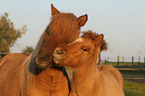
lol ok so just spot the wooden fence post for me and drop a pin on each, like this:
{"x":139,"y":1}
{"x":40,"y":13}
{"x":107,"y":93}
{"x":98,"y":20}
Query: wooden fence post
{"x":132,"y":60}
{"x":144,"y":60}
{"x":122,"y":59}
{"x":138,"y":61}
{"x":117,"y":60}
{"x":105,"y":61}
{"x":100,"y":61}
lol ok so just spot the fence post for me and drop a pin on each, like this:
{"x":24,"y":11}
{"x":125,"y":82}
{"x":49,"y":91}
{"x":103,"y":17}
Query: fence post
{"x":138,"y":61}
{"x":105,"y":62}
{"x":100,"y":61}
{"x":122,"y":59}
{"x":107,"y":59}
{"x":132,"y":60}
{"x":144,"y":60}
{"x":117,"y":60}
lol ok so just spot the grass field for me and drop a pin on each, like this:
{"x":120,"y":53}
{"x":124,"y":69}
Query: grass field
{"x":134,"y":89}
{"x":134,"y":80}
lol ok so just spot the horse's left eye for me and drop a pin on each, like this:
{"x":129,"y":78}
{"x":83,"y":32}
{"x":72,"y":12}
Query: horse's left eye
{"x":84,"y":49}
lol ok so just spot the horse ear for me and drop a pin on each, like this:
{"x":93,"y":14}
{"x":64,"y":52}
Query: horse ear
{"x":82,"y":20}
{"x":54,"y":10}
{"x":99,"y":39}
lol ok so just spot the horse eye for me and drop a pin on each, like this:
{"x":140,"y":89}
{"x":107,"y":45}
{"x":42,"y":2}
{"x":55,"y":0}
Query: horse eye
{"x":84,"y":49}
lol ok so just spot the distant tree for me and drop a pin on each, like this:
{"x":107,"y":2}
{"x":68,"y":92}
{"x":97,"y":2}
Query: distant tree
{"x":8,"y":34}
{"x":27,"y":50}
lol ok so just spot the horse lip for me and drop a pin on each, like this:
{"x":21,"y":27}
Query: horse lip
{"x":58,"y":60}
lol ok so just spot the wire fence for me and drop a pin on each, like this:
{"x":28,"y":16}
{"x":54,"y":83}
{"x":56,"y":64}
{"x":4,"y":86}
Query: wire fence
{"x":122,"y":61}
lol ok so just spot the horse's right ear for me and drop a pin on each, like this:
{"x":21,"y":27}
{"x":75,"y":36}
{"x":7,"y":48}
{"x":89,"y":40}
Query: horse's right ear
{"x":54,"y":10}
{"x":99,"y":39}
{"x":82,"y":20}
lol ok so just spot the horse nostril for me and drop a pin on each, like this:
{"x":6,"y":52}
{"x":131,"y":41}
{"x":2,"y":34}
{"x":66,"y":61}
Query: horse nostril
{"x":60,"y":52}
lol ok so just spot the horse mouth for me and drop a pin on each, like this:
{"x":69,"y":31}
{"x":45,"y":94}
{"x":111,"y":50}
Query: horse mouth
{"x":59,"y":55}
{"x":58,"y":58}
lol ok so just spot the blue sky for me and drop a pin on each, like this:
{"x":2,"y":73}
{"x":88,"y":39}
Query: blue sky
{"x":121,"y":21}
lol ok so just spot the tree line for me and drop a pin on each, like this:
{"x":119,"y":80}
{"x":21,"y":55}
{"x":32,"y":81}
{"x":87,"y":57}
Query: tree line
{"x":9,"y":35}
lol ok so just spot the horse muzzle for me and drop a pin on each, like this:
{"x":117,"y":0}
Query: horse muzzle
{"x":58,"y":55}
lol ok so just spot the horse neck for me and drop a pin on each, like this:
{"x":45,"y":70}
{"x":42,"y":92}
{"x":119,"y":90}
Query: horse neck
{"x":84,"y":78}
{"x":51,"y":79}
{"x":48,"y":81}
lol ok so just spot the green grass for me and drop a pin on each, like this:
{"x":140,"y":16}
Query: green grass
{"x":134,"y":89}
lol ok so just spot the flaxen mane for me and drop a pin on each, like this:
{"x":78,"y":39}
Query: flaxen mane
{"x":90,"y":35}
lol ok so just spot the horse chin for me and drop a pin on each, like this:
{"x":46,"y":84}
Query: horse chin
{"x":58,"y":60}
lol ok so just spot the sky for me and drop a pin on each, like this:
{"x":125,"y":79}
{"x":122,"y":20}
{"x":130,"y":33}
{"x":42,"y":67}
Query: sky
{"x":121,"y":21}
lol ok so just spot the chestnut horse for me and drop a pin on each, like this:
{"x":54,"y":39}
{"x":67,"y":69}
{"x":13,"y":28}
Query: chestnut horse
{"x":38,"y":75}
{"x":81,"y":56}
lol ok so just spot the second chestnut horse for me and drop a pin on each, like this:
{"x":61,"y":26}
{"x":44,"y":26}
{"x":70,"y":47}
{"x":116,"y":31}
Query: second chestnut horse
{"x":81,"y":56}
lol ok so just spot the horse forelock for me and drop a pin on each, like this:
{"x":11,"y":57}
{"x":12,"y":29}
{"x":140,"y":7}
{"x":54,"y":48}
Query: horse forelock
{"x":64,"y":25}
{"x":63,"y":28}
{"x":92,"y":36}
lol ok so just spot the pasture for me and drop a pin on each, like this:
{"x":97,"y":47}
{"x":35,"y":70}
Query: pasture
{"x":133,"y":89}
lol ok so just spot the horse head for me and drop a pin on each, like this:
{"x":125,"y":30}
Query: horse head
{"x":81,"y":50}
{"x":64,"y":28}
